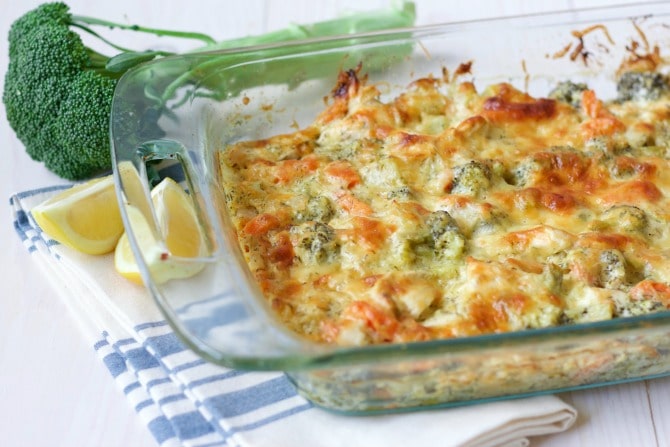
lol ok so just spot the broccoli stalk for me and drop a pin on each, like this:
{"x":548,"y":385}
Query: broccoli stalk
{"x":58,"y":92}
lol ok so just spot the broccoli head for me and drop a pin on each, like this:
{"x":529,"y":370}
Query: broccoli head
{"x":49,"y":86}
{"x":58,"y":92}
{"x":569,"y":92}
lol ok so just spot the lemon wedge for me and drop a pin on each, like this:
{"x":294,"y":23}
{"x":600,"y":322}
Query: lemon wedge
{"x":85,"y":217}
{"x":182,"y":238}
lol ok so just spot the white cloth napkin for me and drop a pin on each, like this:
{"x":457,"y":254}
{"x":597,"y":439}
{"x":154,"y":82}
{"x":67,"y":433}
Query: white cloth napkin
{"x":186,"y":401}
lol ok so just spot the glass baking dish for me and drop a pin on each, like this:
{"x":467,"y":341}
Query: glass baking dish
{"x":174,"y":114}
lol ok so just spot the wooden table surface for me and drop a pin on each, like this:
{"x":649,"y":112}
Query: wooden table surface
{"x":54,"y":391}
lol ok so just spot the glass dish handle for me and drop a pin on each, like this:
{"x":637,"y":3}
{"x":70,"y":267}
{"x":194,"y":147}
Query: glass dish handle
{"x":218,"y":312}
{"x":153,"y":161}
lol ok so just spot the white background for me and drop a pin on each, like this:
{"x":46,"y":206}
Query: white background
{"x":53,"y":389}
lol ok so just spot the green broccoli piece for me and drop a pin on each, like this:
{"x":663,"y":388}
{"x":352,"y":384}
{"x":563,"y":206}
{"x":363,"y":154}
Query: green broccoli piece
{"x":645,"y":86}
{"x":58,"y":92}
{"x":446,"y":235}
{"x":569,"y":92}
{"x":472,"y":178}
{"x":317,"y":242}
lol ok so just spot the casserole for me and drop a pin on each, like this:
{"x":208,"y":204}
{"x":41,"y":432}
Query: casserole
{"x":182,"y":112}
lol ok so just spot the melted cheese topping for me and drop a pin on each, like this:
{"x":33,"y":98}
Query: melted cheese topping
{"x":447,"y":212}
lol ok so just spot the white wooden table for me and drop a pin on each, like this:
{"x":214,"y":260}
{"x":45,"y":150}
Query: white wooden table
{"x":53,"y":389}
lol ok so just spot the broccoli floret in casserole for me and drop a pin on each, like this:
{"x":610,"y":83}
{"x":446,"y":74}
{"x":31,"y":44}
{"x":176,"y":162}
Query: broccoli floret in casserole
{"x":625,"y":218}
{"x":569,"y":92}
{"x":448,"y":241}
{"x":524,"y":172}
{"x":316,"y":243}
{"x":472,"y":178}
{"x":645,"y":86}
{"x":613,"y":273}
{"x":319,"y":209}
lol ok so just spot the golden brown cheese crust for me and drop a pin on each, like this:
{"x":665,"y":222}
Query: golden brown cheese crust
{"x":448,"y":212}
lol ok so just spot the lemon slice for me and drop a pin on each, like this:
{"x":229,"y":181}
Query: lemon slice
{"x":85,"y":217}
{"x":182,"y":239}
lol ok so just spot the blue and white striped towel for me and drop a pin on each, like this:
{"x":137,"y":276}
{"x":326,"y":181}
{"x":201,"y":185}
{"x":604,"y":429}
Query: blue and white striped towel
{"x":186,"y":401}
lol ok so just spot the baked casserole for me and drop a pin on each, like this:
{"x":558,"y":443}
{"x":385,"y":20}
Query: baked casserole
{"x":449,"y":212}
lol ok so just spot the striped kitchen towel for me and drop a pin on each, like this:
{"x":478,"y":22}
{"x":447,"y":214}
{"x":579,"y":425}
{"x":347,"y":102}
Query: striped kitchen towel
{"x":186,"y":401}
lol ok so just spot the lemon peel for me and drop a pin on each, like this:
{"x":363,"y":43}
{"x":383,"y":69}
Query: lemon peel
{"x":85,"y":217}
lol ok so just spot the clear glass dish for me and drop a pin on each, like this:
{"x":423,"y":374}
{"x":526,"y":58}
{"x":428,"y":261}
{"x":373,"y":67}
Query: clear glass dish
{"x":178,"y":112}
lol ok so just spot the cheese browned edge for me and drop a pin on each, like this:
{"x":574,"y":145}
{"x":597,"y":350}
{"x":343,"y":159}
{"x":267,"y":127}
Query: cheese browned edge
{"x":449,"y":212}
